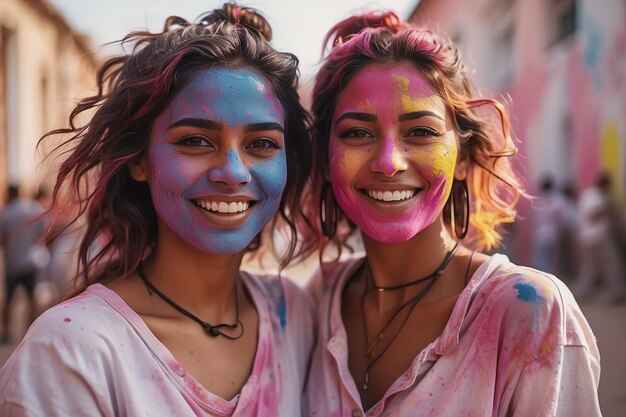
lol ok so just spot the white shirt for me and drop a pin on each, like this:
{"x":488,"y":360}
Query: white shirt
{"x":549,"y":218}
{"x":94,"y":356}
{"x":516,"y":344}
{"x":595,"y":220}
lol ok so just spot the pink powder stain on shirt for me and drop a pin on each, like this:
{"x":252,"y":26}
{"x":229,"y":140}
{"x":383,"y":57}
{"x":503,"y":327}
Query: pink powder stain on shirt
{"x":187,"y":378}
{"x":158,"y":379}
{"x":271,"y":391}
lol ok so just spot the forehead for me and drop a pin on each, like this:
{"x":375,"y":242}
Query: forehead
{"x":398,"y":85}
{"x":229,"y":95}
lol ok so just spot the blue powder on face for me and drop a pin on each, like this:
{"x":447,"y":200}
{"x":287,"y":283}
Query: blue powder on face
{"x":526,"y":292}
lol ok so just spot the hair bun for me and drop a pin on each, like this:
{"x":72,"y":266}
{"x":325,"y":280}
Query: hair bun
{"x":345,"y":29}
{"x":239,"y":15}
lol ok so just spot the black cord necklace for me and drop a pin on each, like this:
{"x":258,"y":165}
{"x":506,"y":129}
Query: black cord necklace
{"x":212,"y":329}
{"x":412,"y":302}
{"x":437,"y":273}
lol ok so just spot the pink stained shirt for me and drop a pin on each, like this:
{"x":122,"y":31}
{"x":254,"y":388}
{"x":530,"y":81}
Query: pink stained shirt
{"x":94,"y":356}
{"x":515,"y":345}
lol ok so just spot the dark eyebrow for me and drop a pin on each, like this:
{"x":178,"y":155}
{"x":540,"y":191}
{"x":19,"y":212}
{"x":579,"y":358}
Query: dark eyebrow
{"x":201,"y":123}
{"x":213,"y":125}
{"x":417,"y":115}
{"x":365,"y":117}
{"x":256,"y":127}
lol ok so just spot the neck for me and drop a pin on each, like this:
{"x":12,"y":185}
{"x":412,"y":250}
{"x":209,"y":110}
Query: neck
{"x":396,"y":264}
{"x":200,"y":282}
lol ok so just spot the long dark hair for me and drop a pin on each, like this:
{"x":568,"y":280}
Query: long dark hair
{"x":133,"y":89}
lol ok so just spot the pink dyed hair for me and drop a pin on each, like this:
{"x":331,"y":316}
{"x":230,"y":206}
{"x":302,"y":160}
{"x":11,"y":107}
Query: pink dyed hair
{"x":381,"y":37}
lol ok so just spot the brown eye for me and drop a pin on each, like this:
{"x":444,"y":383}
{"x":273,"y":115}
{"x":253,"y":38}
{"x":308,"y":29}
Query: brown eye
{"x":424,"y":131}
{"x":194,"y":141}
{"x":263,"y":143}
{"x":355,"y":132}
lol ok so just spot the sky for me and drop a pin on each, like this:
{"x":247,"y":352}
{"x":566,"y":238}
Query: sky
{"x":299,"y":26}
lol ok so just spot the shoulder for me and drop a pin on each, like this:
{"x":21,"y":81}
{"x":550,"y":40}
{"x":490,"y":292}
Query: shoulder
{"x":529,"y":306}
{"x":74,"y":337}
{"x":79,"y":323}
{"x":282,"y":296}
{"x":73,"y":349}
{"x":517,"y":288}
{"x":330,"y":275}
{"x":275,"y":286}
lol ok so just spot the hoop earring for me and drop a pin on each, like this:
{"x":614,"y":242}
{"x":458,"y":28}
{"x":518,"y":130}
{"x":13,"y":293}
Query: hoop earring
{"x":328,"y":211}
{"x":459,"y":208}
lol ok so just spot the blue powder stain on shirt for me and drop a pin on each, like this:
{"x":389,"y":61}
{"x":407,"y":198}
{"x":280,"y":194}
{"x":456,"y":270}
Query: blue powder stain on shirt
{"x":526,"y":292}
{"x":281,"y":309}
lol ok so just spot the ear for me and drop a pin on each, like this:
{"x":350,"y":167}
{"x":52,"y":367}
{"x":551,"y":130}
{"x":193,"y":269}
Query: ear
{"x":462,"y":164}
{"x":139,"y":170}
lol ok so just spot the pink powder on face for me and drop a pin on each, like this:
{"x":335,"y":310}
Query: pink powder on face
{"x":386,"y":153}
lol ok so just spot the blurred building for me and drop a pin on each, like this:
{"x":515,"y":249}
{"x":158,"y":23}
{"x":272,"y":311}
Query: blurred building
{"x":44,"y":67}
{"x":563,"y":65}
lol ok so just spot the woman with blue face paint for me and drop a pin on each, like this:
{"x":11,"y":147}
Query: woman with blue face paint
{"x":197,"y":141}
{"x":423,"y":324}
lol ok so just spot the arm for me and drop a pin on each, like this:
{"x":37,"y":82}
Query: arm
{"x":563,"y":382}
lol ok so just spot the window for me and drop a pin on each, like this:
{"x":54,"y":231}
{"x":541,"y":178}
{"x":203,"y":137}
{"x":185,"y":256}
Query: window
{"x":500,"y":16}
{"x":561,"y":20}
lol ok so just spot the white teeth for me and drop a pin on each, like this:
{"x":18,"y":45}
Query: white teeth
{"x":223,"y":206}
{"x":391,"y":195}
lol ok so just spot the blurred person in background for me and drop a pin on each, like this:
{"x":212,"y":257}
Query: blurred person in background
{"x":600,"y":256}
{"x":568,"y":246}
{"x":548,"y":220}
{"x":25,"y":254}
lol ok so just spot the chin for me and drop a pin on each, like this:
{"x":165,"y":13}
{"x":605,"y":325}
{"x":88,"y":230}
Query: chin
{"x":392,"y":235}
{"x":223,"y":246}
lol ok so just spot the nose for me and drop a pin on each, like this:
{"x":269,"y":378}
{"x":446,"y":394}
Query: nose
{"x":231,"y":171}
{"x":389,"y":159}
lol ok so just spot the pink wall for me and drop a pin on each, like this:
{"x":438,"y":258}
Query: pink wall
{"x":568,"y":98}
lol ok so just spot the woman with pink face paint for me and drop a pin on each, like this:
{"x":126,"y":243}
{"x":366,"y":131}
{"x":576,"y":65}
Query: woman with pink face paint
{"x":196,"y":142}
{"x":423,"y":323}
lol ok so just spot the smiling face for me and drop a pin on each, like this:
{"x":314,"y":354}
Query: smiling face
{"x":216,"y":162}
{"x":392,"y":152}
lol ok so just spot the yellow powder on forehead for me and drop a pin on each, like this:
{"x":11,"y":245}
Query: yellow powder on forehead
{"x":410,"y":104}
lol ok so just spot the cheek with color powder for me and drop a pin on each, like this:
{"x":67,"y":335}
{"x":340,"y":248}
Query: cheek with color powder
{"x":272,"y":177}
